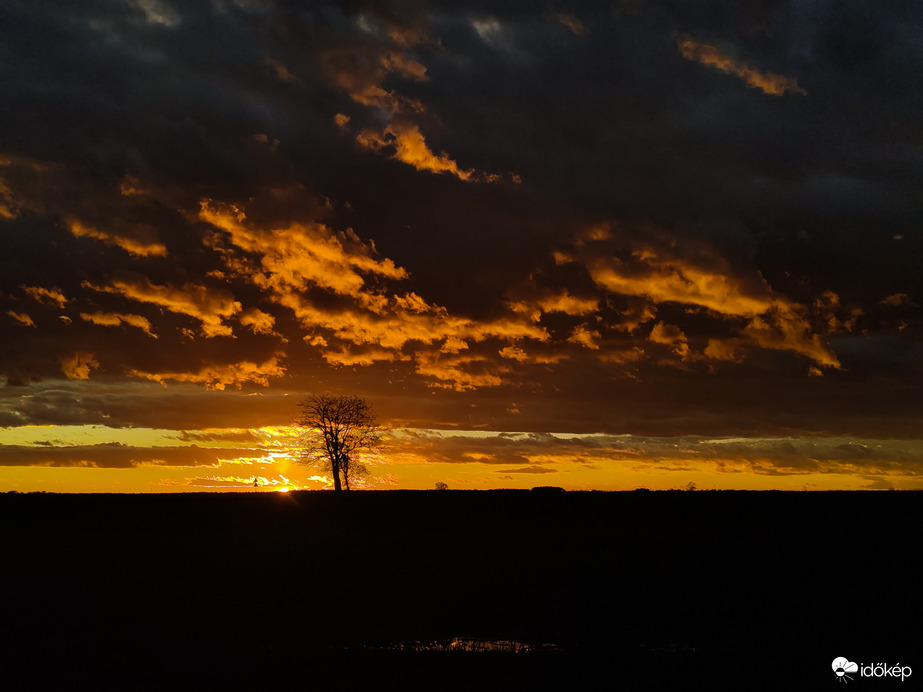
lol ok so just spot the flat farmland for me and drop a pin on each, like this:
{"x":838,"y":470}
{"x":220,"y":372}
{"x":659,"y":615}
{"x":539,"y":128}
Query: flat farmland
{"x":639,"y":588}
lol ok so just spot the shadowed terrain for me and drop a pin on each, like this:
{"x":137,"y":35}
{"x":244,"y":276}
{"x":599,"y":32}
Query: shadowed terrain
{"x":637,"y":587}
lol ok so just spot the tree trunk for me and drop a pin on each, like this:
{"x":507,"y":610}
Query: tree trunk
{"x":336,"y":477}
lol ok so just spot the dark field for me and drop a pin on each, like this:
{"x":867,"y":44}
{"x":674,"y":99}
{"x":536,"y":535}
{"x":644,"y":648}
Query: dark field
{"x":659,"y":590}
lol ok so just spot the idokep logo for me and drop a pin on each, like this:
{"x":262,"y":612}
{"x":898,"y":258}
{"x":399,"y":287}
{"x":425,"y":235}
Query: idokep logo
{"x":842,"y":667}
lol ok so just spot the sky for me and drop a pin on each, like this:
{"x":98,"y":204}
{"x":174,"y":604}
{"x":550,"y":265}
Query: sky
{"x":592,"y":245}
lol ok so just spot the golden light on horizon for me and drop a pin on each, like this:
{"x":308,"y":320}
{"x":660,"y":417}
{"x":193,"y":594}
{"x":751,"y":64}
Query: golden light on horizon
{"x":233,"y":459}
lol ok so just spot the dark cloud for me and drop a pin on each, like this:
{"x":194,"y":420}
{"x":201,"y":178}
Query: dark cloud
{"x":547,"y":453}
{"x":142,"y":404}
{"x":218,"y":436}
{"x":116,"y":455}
{"x":530,"y":469}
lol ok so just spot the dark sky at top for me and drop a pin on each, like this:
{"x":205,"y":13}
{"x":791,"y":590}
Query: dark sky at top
{"x":649,"y":218}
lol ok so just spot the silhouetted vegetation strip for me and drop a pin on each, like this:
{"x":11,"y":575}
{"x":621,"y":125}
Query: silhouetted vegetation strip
{"x":712,"y":579}
{"x":473,"y":645}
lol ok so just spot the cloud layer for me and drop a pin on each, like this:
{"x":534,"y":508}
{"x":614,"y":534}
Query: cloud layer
{"x":656,"y":219}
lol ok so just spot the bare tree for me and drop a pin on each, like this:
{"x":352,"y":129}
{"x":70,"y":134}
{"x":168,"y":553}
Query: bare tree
{"x":335,"y":430}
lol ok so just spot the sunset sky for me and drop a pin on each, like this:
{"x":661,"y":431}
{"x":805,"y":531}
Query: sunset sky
{"x":592,"y":245}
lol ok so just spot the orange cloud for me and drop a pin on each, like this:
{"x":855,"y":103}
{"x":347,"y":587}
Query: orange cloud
{"x":140,"y":240}
{"x":387,"y":334}
{"x":361,"y":69}
{"x":668,"y":278}
{"x":113,"y":319}
{"x":414,"y":303}
{"x":707,"y":54}
{"x":672,"y":336}
{"x":458,"y":372}
{"x":22,"y":318}
{"x":260,"y":322}
{"x":568,"y":304}
{"x":78,"y":366}
{"x":554,"y":301}
{"x":208,"y":305}
{"x":514,"y":353}
{"x":396,"y":61}
{"x":622,"y":356}
{"x":219,"y":376}
{"x":12,"y":203}
{"x":410,"y":30}
{"x":585,"y":337}
{"x":785,"y":328}
{"x":520,"y":355}
{"x":300,"y":265}
{"x":453,"y":345}
{"x":47,"y":296}
{"x":399,"y":326}
{"x":9,"y":207}
{"x":301,"y":255}
{"x":724,"y":349}
{"x":896,"y":300}
{"x":360,"y":72}
{"x":132,"y":187}
{"x":826,"y":307}
{"x":635,"y":317}
{"x":410,"y":147}
{"x":347,"y":356}
{"x":697,"y":275}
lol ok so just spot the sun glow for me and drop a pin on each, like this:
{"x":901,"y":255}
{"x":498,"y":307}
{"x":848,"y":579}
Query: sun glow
{"x":94,"y":458}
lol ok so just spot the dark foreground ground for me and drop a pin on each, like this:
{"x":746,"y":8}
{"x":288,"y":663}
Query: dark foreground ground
{"x":638,"y":590}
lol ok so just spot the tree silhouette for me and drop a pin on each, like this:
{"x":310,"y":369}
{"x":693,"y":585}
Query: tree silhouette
{"x":334,"y":430}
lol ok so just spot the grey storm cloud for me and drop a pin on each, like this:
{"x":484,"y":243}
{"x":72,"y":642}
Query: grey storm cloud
{"x":121,"y":405}
{"x":776,"y":456}
{"x":116,"y":455}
